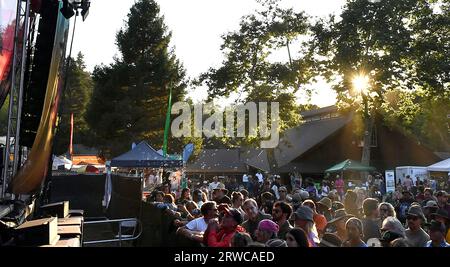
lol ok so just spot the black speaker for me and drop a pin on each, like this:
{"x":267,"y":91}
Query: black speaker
{"x":37,"y":73}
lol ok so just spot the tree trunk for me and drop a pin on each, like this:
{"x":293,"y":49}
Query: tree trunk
{"x":369,"y":122}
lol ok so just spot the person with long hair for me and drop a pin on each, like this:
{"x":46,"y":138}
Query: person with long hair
{"x":386,"y":210}
{"x":185,"y":196}
{"x":296,"y":237}
{"x":236,"y":201}
{"x":304,"y":220}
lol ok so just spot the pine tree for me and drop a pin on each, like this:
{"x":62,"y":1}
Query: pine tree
{"x":75,"y":101}
{"x":130,"y":97}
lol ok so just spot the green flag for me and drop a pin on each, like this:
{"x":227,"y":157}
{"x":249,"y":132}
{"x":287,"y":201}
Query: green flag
{"x":166,"y":129}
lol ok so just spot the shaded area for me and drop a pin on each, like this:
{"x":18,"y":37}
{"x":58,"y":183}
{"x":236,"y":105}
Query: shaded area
{"x":82,"y":191}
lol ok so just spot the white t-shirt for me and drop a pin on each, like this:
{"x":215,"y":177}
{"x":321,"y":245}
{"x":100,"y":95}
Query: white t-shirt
{"x":213,"y":185}
{"x":275,"y":190}
{"x":260,"y":177}
{"x":245,"y":178}
{"x":325,"y":190}
{"x":197,"y":225}
{"x":152,"y":179}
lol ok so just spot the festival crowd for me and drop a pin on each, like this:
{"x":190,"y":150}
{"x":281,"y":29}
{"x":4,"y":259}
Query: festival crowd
{"x":260,"y":211}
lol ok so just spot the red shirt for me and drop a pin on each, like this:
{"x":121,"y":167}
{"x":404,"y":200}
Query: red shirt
{"x":320,"y":221}
{"x":222,"y":238}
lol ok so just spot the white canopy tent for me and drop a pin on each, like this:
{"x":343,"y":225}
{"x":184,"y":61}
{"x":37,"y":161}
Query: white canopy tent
{"x":61,"y":161}
{"x":442,"y":166}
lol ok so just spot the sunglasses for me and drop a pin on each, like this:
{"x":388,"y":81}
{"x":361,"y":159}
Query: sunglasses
{"x":384,"y":210}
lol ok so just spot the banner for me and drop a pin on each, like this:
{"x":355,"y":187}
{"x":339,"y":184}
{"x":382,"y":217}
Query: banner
{"x":187,"y":152}
{"x":390,"y":181}
{"x":8,"y":11}
{"x":34,"y":170}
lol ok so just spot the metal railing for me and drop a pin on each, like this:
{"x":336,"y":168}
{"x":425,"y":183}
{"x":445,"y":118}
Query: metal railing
{"x":120,"y":237}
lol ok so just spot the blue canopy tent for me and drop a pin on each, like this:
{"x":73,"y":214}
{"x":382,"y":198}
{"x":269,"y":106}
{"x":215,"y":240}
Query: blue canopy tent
{"x":144,"y":156}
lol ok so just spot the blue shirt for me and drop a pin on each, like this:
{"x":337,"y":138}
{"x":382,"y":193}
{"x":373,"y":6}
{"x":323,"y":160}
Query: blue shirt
{"x":442,"y":245}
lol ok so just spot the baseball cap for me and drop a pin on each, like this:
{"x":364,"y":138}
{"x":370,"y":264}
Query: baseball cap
{"x":237,"y":216}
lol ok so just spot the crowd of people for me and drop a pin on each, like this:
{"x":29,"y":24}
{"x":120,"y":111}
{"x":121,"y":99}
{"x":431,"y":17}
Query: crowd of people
{"x":266,"y":212}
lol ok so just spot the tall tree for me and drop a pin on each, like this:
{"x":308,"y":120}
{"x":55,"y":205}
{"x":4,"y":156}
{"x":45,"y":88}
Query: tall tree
{"x":4,"y":118}
{"x":378,"y":46}
{"x":74,"y":101}
{"x":248,"y":70}
{"x":130,"y":97}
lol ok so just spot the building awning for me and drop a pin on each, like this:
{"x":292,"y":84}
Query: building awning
{"x":350,"y":165}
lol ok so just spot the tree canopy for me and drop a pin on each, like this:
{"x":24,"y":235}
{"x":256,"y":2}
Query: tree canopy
{"x":130,"y":96}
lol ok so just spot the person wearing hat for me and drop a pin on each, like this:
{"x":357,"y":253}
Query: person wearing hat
{"x":281,"y":212}
{"x":415,"y":235}
{"x":442,"y":198}
{"x":267,"y":229}
{"x":254,"y":216}
{"x":304,"y":219}
{"x":442,"y":216}
{"x":437,"y":235}
{"x":319,"y":220}
{"x":430,"y":208}
{"x":213,"y":184}
{"x":330,"y":240}
{"x":355,"y":232}
{"x":338,"y":223}
{"x":276,"y":243}
{"x":391,"y":229}
{"x":220,"y":195}
{"x":323,"y":207}
{"x":221,"y":235}
{"x":296,"y":201}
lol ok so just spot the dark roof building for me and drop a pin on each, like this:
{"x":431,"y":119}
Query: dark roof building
{"x":325,"y":138}
{"x":218,"y":162}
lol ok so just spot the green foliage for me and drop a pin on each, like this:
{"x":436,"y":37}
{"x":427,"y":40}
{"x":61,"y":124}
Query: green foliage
{"x":403,"y":47}
{"x":130,"y":97}
{"x":248,"y":71}
{"x":420,"y":116}
{"x":4,"y":118}
{"x":74,"y":101}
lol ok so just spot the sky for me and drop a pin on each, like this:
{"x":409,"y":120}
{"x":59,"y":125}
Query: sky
{"x":196,"y":26}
